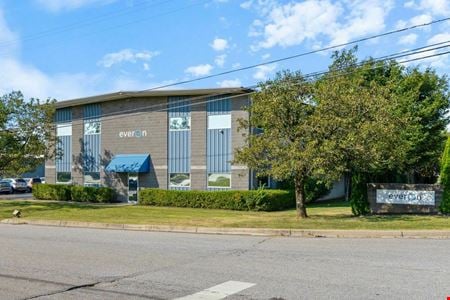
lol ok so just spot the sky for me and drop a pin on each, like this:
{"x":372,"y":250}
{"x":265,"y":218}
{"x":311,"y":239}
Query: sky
{"x":66,"y":49}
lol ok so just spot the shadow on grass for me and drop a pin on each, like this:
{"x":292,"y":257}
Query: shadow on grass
{"x":329,"y":203}
{"x":40,"y":206}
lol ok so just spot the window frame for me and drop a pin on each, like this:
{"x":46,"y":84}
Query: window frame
{"x":180,"y":186}
{"x":87,"y":122}
{"x":218,"y":187}
{"x":180,"y":129}
{"x":221,"y":118}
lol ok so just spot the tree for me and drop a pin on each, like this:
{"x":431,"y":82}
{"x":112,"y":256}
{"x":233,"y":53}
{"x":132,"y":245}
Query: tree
{"x":424,"y":97}
{"x":359,"y":117}
{"x":26,"y":133}
{"x":281,"y":142}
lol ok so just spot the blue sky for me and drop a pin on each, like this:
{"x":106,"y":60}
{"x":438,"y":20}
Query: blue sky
{"x":66,"y":49}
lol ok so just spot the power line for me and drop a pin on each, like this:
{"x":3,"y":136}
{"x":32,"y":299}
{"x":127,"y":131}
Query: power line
{"x":313,"y":74}
{"x":131,"y":22}
{"x":299,"y":55}
{"x":82,"y":23}
{"x":118,"y":115}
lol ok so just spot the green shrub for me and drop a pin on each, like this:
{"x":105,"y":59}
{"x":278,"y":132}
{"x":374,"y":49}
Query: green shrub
{"x":358,"y":198}
{"x":58,"y":192}
{"x":75,"y":193}
{"x":444,"y":179}
{"x":258,"y":200}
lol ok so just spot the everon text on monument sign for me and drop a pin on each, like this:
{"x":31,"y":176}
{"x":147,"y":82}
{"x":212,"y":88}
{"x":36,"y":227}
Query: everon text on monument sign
{"x":405,"y":197}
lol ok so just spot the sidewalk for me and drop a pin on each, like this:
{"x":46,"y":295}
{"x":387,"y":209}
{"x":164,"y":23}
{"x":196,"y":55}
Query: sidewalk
{"x":301,"y":233}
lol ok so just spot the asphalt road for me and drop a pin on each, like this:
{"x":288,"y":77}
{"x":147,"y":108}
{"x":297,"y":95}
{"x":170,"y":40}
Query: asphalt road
{"x":70,"y":263}
{"x":16,"y":196}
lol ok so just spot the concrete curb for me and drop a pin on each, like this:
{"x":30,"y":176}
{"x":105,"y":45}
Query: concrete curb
{"x":300,"y":233}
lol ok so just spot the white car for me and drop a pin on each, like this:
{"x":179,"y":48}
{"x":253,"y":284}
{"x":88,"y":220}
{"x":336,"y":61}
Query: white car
{"x":17,"y":184}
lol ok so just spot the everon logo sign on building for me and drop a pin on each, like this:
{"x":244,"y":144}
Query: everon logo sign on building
{"x":133,"y":134}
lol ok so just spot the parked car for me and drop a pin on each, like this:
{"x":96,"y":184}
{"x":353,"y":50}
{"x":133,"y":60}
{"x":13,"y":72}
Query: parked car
{"x":6,"y":187}
{"x":33,"y":181}
{"x":18,"y":184}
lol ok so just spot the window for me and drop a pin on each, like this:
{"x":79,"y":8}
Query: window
{"x":180,"y":180}
{"x":92,"y":127}
{"x":63,"y":177}
{"x":180,"y":123}
{"x":219,"y":121}
{"x":92,"y":179}
{"x":219,"y":180}
{"x":64,"y":129}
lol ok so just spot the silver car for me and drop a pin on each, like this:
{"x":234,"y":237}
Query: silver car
{"x":6,"y":187}
{"x":17,"y":184}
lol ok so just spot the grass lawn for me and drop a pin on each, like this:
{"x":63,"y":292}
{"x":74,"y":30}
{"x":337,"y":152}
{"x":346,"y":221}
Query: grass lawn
{"x":330,"y":215}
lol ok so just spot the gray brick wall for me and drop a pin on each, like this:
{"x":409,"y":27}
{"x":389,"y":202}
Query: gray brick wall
{"x":240,"y":175}
{"x":77,"y":145}
{"x":145,"y":114}
{"x":130,"y":115}
{"x":198,"y":145}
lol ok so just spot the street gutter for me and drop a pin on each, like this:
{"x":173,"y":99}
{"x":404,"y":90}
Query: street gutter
{"x":300,"y":233}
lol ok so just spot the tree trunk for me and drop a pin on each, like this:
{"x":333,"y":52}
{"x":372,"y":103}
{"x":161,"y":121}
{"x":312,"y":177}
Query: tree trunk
{"x":348,"y":185}
{"x":300,"y":198}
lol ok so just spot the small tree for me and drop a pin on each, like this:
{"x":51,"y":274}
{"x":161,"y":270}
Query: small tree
{"x":445,"y":179}
{"x":282,"y":142}
{"x":26,"y":133}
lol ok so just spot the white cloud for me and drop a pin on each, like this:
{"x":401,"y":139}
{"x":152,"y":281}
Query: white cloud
{"x":438,"y":62}
{"x":262,"y":72}
{"x":265,"y":56}
{"x":409,"y":39}
{"x":199,"y":70}
{"x":146,"y":66}
{"x":35,"y":83}
{"x":235,"y":65}
{"x":220,"y":60}
{"x":291,"y":24}
{"x":230,"y":83}
{"x":219,"y":44}
{"x":61,"y":5}
{"x":126,"y":55}
{"x":420,"y":19}
{"x":246,"y":4}
{"x":433,"y":7}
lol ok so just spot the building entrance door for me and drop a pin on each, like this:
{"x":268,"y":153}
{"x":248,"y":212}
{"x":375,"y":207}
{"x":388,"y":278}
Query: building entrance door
{"x":133,"y":186}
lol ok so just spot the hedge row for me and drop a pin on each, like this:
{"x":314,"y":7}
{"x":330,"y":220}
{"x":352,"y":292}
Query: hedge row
{"x":258,"y":200}
{"x":73,"y":193}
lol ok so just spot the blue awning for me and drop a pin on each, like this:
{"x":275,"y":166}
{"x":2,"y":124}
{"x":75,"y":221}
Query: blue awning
{"x":129,"y":163}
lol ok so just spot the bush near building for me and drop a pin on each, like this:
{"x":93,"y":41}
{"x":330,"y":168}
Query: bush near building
{"x":445,"y":179}
{"x":73,"y":193}
{"x":256,"y":200}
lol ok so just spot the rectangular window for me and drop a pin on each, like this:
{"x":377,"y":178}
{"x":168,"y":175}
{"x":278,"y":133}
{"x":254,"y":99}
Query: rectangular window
{"x":63,"y":177}
{"x":219,"y":121}
{"x":64,"y":129}
{"x":219,"y":180}
{"x":180,"y":180}
{"x":180,"y":123}
{"x":92,"y":179}
{"x":92,"y":127}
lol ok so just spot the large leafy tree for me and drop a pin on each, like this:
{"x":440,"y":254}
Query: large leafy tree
{"x":282,"y":142}
{"x":424,"y":97}
{"x":26,"y":133}
{"x":360,"y":115}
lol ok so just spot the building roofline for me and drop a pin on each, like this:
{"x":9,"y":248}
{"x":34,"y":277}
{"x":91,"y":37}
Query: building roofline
{"x":154,"y":93}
